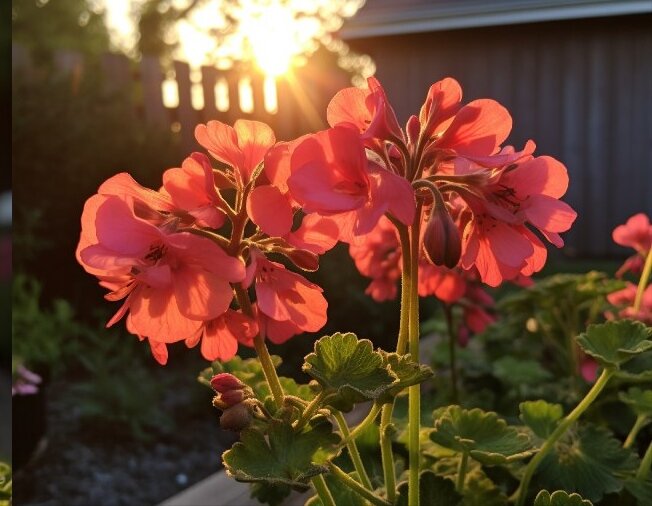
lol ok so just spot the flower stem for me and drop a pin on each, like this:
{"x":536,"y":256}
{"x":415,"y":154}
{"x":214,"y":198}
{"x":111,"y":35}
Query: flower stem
{"x":461,"y":473}
{"x":345,"y":479}
{"x":452,"y":343}
{"x":369,"y":419}
{"x":310,"y":410}
{"x":414,"y":399}
{"x":261,"y":349}
{"x":642,"y":283}
{"x":353,"y":450}
{"x":386,"y":453}
{"x":641,"y":421}
{"x":561,"y":429}
{"x":644,"y":469}
{"x":319,"y":484}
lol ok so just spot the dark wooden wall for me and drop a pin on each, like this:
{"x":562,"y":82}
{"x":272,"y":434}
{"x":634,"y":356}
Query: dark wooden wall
{"x":581,"y":89}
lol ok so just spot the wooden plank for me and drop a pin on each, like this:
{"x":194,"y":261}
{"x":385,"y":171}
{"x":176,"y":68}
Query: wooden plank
{"x":257,"y":82}
{"x":547,"y":131}
{"x":598,"y":142}
{"x":186,"y":114}
{"x":208,"y":81}
{"x":642,"y":119}
{"x":116,"y":72}
{"x":152,"y":79}
{"x":525,"y":91}
{"x":624,"y":172}
{"x":573,"y":130}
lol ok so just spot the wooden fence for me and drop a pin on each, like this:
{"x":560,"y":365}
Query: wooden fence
{"x":301,"y":97}
{"x":582,"y":89}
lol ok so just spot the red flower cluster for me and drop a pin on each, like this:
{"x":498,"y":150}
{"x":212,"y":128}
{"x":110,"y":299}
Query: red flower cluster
{"x":480,"y":204}
{"x":636,"y":233}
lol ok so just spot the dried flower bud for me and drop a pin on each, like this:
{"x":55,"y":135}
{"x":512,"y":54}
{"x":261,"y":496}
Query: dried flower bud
{"x":236,"y":417}
{"x":224,"y":382}
{"x":441,"y":240}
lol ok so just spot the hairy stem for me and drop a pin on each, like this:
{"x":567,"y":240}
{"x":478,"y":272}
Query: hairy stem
{"x":414,"y":399}
{"x":261,"y":349}
{"x":310,"y":410}
{"x":345,"y":479}
{"x":644,"y":469}
{"x":452,"y":343}
{"x":319,"y":484}
{"x":561,"y":429}
{"x":641,"y":421}
{"x":642,"y":283}
{"x":386,"y":453}
{"x":368,"y":420}
{"x":353,"y":450}
{"x":461,"y":472}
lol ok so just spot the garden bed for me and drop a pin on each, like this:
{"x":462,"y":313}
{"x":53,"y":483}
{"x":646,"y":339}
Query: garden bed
{"x":81,"y":466}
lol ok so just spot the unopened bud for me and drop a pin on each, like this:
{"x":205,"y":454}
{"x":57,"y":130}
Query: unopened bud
{"x":224,"y":382}
{"x":233,"y":397}
{"x":303,"y":259}
{"x":441,"y":240}
{"x":413,"y":128}
{"x":236,"y":418}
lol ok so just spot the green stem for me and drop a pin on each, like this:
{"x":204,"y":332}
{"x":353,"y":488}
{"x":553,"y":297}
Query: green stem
{"x":353,"y":450}
{"x":319,"y":484}
{"x":461,"y":473}
{"x":644,"y":469}
{"x":414,"y":399}
{"x":369,"y":419}
{"x":310,"y":410}
{"x":452,"y":343}
{"x":561,"y":429}
{"x":346,"y":480}
{"x":261,"y":349}
{"x":386,"y":451}
{"x":641,"y":421}
{"x":401,"y":346}
{"x":642,"y":283}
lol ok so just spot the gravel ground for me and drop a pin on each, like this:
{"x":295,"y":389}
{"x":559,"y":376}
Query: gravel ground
{"x":83,"y":467}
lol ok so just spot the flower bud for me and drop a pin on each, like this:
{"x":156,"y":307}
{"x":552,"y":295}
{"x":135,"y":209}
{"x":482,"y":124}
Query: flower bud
{"x":233,"y":397}
{"x":224,"y":382}
{"x":303,"y":259}
{"x":236,"y":418}
{"x":413,"y":128}
{"x":441,"y":240}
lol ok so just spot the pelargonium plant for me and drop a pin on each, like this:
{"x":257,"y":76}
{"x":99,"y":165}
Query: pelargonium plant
{"x":440,"y":208}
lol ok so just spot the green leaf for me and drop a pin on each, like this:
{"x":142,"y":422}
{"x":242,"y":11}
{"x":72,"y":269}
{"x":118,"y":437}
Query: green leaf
{"x":560,"y":498}
{"x":274,"y":495}
{"x":479,"y":490}
{"x":514,"y":372}
{"x":433,"y":490}
{"x":640,"y":490}
{"x":348,"y":370}
{"x":406,"y":370}
{"x":614,"y":343}
{"x":589,"y":461}
{"x":283,"y":456}
{"x":541,"y":416}
{"x":639,"y":400}
{"x":484,"y":436}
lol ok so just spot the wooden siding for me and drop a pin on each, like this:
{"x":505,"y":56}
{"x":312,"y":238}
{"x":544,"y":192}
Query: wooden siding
{"x":581,"y":89}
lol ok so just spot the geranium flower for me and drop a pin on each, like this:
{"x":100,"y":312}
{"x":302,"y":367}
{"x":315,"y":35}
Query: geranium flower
{"x":192,"y":188}
{"x":636,"y":233}
{"x":172,"y":283}
{"x":496,"y":239}
{"x":624,"y":301}
{"x":331,"y":176}
{"x":284,"y":296}
{"x":242,"y":146}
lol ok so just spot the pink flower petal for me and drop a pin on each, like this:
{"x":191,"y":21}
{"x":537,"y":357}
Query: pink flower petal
{"x":270,"y":210}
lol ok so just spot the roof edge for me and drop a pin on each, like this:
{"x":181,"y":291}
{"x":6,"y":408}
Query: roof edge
{"x":439,"y":18}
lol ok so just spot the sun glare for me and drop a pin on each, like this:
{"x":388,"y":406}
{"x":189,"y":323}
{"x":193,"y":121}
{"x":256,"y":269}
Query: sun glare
{"x":272,"y":35}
